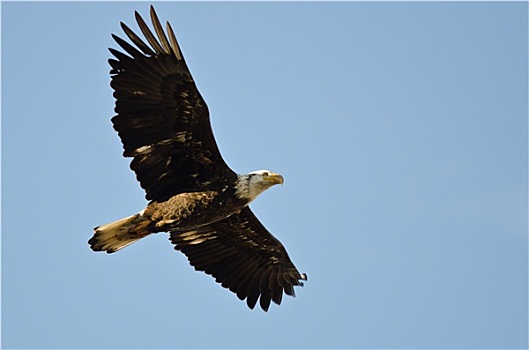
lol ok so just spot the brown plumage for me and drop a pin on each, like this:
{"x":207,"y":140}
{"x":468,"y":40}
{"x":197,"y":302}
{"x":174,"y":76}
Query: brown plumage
{"x":163,"y":123}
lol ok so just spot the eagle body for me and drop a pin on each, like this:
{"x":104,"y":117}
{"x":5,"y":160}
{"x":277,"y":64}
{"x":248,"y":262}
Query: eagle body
{"x":179,"y":213}
{"x":163,"y":123}
{"x":184,"y":211}
{"x":188,"y":211}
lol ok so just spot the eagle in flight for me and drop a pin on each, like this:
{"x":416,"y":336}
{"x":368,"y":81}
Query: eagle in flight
{"x":163,"y":123}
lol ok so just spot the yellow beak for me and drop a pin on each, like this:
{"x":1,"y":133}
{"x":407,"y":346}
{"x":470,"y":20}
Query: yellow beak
{"x":274,"y":178}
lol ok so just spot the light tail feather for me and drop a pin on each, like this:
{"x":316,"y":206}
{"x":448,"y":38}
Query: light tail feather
{"x":119,"y":234}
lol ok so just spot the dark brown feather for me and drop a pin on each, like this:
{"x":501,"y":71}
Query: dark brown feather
{"x":243,"y":256}
{"x":162,"y":119}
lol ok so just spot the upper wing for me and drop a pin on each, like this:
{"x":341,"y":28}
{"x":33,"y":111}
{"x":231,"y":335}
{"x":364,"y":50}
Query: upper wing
{"x":243,"y":256}
{"x":162,"y":120}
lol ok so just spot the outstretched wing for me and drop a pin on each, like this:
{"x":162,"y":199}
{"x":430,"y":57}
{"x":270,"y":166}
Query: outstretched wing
{"x":162,"y":120}
{"x":242,"y":255}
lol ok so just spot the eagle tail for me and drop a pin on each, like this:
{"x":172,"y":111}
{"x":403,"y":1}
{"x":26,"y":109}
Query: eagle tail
{"x":119,"y":234}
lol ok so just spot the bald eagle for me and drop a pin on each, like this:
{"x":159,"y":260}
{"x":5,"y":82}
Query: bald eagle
{"x":163,"y":123}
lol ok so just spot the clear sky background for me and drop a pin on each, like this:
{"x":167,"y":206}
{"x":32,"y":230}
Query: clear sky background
{"x":400,"y":129}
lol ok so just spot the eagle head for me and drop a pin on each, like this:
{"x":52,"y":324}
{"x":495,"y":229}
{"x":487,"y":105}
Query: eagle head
{"x":251,"y":185}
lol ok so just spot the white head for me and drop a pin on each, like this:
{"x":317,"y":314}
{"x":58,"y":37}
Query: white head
{"x":251,"y":185}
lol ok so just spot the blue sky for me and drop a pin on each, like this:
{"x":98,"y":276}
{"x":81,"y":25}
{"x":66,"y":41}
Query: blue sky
{"x":400,"y":129}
